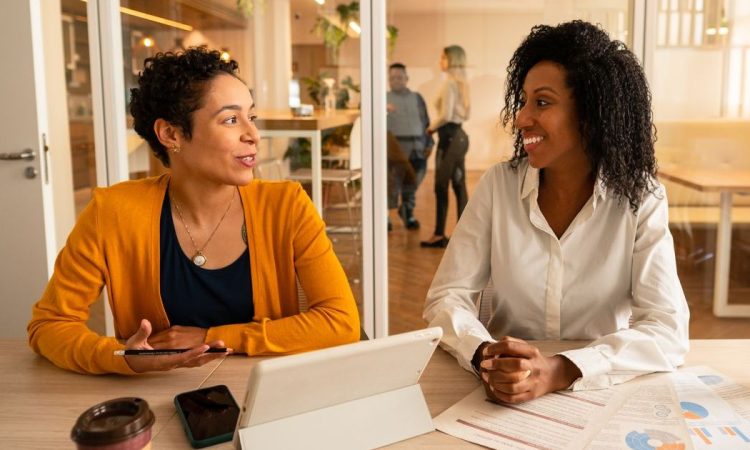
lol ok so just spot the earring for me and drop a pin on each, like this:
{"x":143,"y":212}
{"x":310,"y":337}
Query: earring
{"x":175,"y":148}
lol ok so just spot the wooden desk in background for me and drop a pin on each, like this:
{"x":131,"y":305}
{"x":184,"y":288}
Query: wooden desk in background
{"x":41,"y":402}
{"x":281,"y":123}
{"x":726,"y":182}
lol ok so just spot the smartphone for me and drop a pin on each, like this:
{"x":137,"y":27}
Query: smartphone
{"x":209,"y":415}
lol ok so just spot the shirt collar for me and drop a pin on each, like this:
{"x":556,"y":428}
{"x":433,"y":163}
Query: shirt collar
{"x":530,"y":183}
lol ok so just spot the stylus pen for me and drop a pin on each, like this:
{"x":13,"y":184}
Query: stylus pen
{"x":165,"y":351}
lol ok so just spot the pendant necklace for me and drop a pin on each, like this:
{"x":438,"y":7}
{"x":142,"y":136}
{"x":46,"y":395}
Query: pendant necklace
{"x":199,"y":259}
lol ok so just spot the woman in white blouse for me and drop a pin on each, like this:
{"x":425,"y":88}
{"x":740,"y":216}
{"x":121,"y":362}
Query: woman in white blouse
{"x":452,"y":110}
{"x":572,"y":231}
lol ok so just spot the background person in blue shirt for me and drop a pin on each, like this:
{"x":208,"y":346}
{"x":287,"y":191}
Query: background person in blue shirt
{"x":407,"y":121}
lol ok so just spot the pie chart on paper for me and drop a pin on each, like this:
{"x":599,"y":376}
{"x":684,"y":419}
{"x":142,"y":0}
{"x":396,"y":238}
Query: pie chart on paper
{"x":653,"y":440}
{"x":693,"y":411}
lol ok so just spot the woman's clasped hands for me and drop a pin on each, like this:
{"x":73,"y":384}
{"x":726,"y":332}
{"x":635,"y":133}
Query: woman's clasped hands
{"x":172,"y":338}
{"x":514,"y":371}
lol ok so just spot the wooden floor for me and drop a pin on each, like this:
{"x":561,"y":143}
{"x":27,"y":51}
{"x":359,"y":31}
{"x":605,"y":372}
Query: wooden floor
{"x":411,"y":269}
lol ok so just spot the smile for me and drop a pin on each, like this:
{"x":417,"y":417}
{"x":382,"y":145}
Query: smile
{"x":247,"y":161}
{"x":532,"y":140}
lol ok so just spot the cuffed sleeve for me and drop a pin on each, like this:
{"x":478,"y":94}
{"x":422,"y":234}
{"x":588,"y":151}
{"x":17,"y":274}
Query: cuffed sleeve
{"x":57,"y":329}
{"x":657,"y":340}
{"x":463,"y":273}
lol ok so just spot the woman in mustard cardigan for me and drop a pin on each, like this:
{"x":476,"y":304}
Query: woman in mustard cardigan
{"x":201,"y":257}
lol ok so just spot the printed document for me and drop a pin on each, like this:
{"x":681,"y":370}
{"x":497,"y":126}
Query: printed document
{"x":649,"y":419}
{"x":711,"y":421}
{"x":555,"y":421}
{"x":696,"y":407}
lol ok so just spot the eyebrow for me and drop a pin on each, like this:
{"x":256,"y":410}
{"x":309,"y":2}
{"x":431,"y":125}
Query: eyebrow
{"x":231,"y":108}
{"x":545,"y":88}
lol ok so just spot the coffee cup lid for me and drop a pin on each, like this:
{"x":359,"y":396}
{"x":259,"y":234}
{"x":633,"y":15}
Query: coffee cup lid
{"x":112,"y":421}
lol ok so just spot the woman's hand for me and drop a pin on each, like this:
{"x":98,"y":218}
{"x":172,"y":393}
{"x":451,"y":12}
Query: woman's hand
{"x":514,"y":371}
{"x":194,"y":357}
{"x":178,"y":337}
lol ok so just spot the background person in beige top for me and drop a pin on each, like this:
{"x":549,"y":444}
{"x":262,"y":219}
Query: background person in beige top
{"x":453,"y":109}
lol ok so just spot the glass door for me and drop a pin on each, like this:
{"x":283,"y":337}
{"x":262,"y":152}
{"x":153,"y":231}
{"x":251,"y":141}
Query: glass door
{"x":416,"y":33}
{"x":301,"y":58}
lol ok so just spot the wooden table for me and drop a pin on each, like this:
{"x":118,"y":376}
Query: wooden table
{"x":281,"y":123}
{"x":726,"y":182}
{"x":41,"y":402}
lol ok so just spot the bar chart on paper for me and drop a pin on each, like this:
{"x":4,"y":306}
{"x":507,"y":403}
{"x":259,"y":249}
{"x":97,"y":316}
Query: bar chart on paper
{"x":721,"y":437}
{"x":711,"y":421}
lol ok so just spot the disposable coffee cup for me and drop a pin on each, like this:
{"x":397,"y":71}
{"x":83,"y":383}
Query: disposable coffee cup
{"x":119,"y":424}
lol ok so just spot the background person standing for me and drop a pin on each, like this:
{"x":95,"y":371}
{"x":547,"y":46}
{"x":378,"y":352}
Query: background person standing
{"x":407,"y":121}
{"x":453,"y":107}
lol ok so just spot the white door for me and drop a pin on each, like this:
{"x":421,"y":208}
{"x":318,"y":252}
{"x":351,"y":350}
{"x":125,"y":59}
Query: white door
{"x":26,"y":220}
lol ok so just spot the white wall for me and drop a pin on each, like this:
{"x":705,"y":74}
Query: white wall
{"x":677,"y":93}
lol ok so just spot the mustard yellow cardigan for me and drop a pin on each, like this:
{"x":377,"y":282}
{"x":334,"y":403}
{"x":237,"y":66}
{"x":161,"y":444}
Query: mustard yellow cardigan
{"x":115,"y":243}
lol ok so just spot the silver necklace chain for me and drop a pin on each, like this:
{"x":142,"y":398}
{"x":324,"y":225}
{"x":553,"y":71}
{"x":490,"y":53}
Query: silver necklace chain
{"x":199,"y":259}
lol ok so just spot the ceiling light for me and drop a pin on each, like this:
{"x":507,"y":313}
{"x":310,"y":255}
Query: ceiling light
{"x":355,"y":26}
{"x":320,"y":2}
{"x":148,"y":42}
{"x":153,"y":18}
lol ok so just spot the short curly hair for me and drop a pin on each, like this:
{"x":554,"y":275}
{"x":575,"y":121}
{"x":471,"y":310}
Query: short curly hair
{"x":612,"y":100}
{"x":171,"y":87}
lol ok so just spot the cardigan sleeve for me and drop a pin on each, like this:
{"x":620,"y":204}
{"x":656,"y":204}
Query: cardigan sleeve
{"x":332,"y":318}
{"x":58,"y":329}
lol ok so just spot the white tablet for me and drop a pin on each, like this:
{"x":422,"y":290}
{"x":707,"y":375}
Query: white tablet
{"x":360,"y":395}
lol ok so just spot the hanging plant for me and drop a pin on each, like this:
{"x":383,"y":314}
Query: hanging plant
{"x":333,"y":35}
{"x":348,"y":13}
{"x":392,"y":32}
{"x":247,"y":7}
{"x":335,"y":29}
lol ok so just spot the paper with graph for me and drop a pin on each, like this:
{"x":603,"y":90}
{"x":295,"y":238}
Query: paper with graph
{"x":711,"y":420}
{"x":692,"y":408}
{"x":649,"y":419}
{"x":557,"y":420}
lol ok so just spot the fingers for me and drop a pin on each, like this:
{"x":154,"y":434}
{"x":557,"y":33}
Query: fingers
{"x":513,"y":398}
{"x":509,"y":346}
{"x":509,"y":392}
{"x":219,"y":344}
{"x":203,"y":359}
{"x":139,"y":339}
{"x":506,"y":364}
{"x":178,"y":337}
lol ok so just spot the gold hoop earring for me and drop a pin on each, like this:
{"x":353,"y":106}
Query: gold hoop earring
{"x":175,"y":148}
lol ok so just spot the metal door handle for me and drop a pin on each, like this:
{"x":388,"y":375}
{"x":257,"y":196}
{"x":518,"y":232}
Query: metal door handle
{"x":25,"y":155}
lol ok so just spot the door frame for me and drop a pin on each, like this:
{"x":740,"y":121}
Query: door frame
{"x":374,"y":167}
{"x":105,"y":37}
{"x":107,"y":88}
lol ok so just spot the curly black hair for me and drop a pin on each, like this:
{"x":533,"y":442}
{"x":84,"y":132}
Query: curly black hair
{"x":611,"y":96}
{"x":171,"y":87}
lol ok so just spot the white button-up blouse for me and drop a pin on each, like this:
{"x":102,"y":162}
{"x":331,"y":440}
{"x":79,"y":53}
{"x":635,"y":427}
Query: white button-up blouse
{"x":611,"y":277}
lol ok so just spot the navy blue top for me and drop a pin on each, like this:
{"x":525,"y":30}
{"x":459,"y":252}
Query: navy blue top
{"x":199,"y":297}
